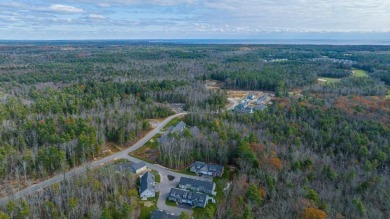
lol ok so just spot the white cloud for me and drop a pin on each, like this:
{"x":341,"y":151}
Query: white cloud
{"x":96,"y":16}
{"x":107,"y":3}
{"x":65,"y":8}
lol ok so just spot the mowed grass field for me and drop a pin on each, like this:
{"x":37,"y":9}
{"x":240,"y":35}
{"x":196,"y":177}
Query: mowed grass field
{"x":329,"y":80}
{"x":355,"y":73}
{"x":359,"y":73}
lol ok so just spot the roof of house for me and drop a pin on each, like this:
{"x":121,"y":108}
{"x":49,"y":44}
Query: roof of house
{"x":207,"y":167}
{"x":260,"y":106}
{"x":179,"y":127}
{"x":137,"y":166}
{"x":161,"y":214}
{"x":195,"y":197}
{"x":261,"y":99}
{"x":250,"y":96}
{"x":215,"y":168}
{"x":147,"y":182}
{"x":197,"y":183}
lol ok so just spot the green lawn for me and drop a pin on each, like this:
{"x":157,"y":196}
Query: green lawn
{"x":157,"y":176}
{"x":329,"y":80}
{"x":209,"y":211}
{"x":151,"y":144}
{"x":388,"y":95}
{"x":171,"y":123}
{"x":145,"y":211}
{"x":359,"y":73}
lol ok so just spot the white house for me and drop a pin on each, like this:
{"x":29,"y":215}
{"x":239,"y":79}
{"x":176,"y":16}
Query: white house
{"x":147,"y":186}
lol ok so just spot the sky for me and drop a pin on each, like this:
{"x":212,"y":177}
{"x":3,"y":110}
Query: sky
{"x":194,"y":19}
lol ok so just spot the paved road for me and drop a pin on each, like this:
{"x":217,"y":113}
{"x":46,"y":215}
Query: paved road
{"x":235,"y":103}
{"x":83,"y":168}
{"x":165,"y":185}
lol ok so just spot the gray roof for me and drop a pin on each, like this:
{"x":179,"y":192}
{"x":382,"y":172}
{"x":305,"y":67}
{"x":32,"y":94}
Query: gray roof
{"x":161,"y":214}
{"x":207,"y":167}
{"x":179,"y":127}
{"x":261,"y":106}
{"x":261,"y":99}
{"x":137,"y":166}
{"x":147,"y":182}
{"x":195,"y":197}
{"x":250,"y":96}
{"x":197,"y":183}
{"x":215,"y":168}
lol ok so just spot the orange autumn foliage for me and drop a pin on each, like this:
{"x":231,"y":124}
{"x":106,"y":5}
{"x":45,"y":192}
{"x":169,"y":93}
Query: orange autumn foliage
{"x":314,"y":213}
{"x":257,"y":148}
{"x":276,"y":163}
{"x":367,"y":107}
{"x":262,"y":193}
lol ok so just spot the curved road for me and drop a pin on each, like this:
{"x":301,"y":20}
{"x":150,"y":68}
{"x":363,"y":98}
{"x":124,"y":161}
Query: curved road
{"x":83,"y":168}
{"x":235,"y":103}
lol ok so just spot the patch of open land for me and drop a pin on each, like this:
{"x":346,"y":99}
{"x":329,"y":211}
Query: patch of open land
{"x":328,"y":80}
{"x":359,"y":73}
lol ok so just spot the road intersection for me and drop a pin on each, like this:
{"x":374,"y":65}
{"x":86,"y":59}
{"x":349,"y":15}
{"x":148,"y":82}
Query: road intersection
{"x":164,"y":186}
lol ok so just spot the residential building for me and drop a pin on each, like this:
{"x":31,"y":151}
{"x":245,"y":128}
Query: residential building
{"x":161,"y":214}
{"x":147,"y":186}
{"x":138,"y":167}
{"x":202,"y":168}
{"x":179,"y":127}
{"x":197,"y":185}
{"x":187,"y":197}
{"x":250,"y":97}
{"x":261,"y":106}
{"x":262,"y":99}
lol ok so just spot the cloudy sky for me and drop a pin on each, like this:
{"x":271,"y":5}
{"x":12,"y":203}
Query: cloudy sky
{"x":161,"y":19}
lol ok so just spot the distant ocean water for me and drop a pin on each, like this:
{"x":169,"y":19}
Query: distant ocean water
{"x":274,"y":41}
{"x":208,"y":41}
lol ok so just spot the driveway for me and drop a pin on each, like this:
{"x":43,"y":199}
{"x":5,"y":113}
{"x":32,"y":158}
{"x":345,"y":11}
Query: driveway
{"x":165,"y":185}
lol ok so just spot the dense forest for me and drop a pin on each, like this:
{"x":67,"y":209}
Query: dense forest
{"x":321,"y":150}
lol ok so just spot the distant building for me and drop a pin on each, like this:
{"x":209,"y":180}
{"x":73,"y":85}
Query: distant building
{"x":202,"y":168}
{"x":178,"y":128}
{"x":262,"y":99}
{"x":197,"y":185}
{"x":240,"y":107}
{"x":161,"y":214}
{"x":250,"y":97}
{"x":248,"y":110}
{"x":138,"y":167}
{"x":187,"y":197}
{"x":147,"y":186}
{"x":261,"y":106}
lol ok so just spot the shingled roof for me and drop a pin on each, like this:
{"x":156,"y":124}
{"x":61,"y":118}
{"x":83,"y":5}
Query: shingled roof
{"x":147,"y":182}
{"x":197,"y":183}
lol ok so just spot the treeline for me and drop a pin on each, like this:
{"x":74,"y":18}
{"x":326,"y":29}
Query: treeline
{"x":53,"y":128}
{"x":300,"y":155}
{"x":277,"y":77}
{"x":105,"y":193}
{"x":352,"y":86}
